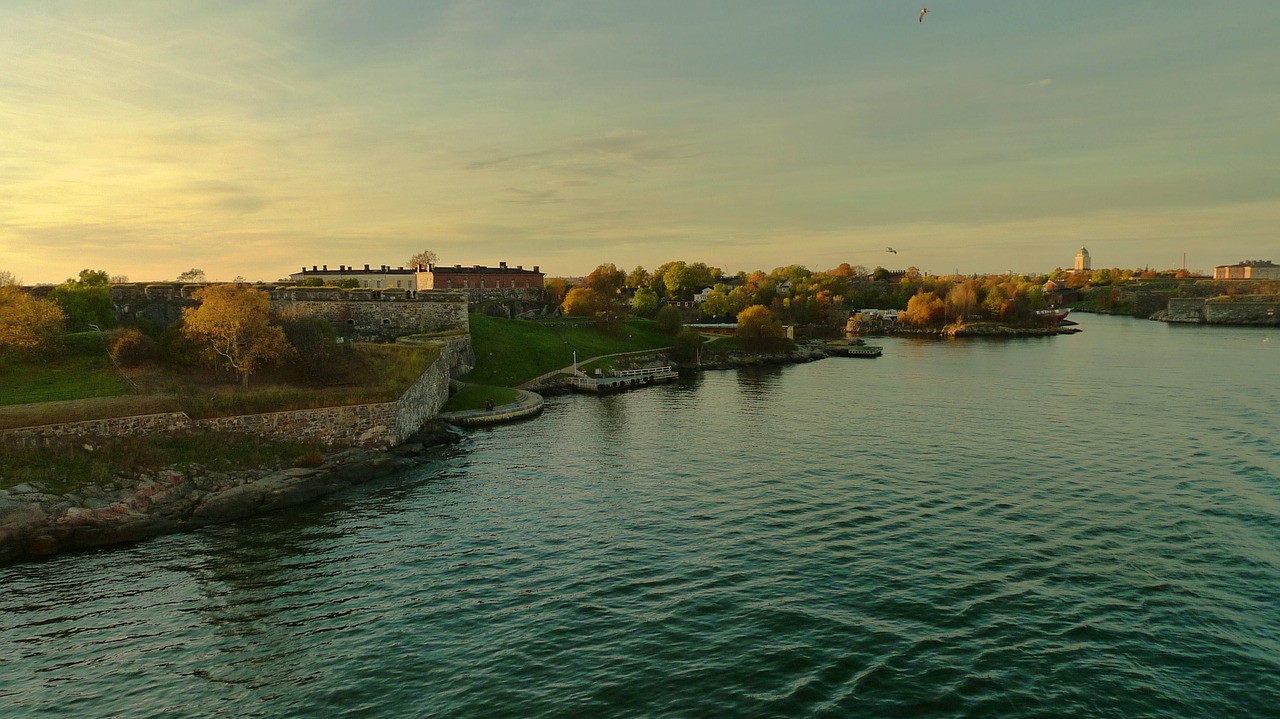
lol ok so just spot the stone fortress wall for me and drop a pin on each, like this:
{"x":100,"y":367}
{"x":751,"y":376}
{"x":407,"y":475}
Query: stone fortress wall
{"x":1224,"y":310}
{"x":360,"y":313}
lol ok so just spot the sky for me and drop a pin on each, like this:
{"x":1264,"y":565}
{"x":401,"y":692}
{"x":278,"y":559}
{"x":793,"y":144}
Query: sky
{"x":252,"y":138}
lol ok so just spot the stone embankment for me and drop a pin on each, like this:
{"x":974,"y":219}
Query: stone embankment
{"x":804,"y":352}
{"x":34,"y":524}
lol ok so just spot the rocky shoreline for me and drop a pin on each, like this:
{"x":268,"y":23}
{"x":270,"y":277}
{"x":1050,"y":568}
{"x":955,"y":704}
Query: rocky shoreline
{"x":36,"y":525}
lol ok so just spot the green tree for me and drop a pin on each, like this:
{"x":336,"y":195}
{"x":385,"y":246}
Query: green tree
{"x":86,"y":301}
{"x":639,"y":277}
{"x":645,"y":302}
{"x":234,"y":323}
{"x":686,"y":345}
{"x":758,"y":330}
{"x":669,"y":320}
{"x":716,"y":305}
{"x":28,"y":325}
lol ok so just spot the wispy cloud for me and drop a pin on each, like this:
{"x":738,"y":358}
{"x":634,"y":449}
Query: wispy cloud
{"x":611,"y":154}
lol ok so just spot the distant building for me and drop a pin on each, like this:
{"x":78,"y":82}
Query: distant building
{"x":377,"y":278}
{"x":1083,"y":263}
{"x":1248,"y":270}
{"x":477,"y":280}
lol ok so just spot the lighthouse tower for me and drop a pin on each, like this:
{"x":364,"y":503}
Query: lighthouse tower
{"x":1082,"y":260}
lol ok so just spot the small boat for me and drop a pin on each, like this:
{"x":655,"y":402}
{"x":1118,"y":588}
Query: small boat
{"x":1054,"y":315}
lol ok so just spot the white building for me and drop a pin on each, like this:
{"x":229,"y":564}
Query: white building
{"x":377,"y":278}
{"x":1082,"y":260}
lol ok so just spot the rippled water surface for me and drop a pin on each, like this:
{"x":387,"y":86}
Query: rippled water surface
{"x":1073,"y":526}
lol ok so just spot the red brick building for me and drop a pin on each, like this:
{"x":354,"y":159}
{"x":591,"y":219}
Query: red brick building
{"x":477,"y":277}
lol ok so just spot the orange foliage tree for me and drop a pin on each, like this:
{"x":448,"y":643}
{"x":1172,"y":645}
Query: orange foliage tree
{"x":234,"y":323}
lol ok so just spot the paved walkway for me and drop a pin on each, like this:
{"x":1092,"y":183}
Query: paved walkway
{"x":527,"y":404}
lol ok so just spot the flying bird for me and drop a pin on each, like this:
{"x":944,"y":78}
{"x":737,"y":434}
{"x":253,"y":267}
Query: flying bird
{"x":923,"y":10}
{"x":890,"y":249}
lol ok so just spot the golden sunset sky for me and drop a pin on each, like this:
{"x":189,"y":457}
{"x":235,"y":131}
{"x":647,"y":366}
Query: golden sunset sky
{"x":252,"y":138}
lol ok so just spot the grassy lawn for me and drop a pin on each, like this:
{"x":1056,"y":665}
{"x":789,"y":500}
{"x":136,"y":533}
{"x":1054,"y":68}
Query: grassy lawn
{"x":67,"y":467}
{"x":81,"y":371}
{"x":473,"y":396}
{"x":509,"y":352}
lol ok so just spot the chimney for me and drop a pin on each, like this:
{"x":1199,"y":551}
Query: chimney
{"x":326,"y":268}
{"x":519,"y":267}
{"x":457,"y":267}
{"x":313,"y":268}
{"x":342,"y":268}
{"x":366,"y":268}
{"x":502,"y":265}
{"x":535,"y":268}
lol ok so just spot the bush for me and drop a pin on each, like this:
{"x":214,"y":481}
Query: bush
{"x":179,"y":349}
{"x":669,"y":320}
{"x":321,"y":360}
{"x":131,"y":348}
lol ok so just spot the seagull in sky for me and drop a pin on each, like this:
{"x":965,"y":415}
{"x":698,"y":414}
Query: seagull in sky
{"x":923,"y":10}
{"x":890,"y":249}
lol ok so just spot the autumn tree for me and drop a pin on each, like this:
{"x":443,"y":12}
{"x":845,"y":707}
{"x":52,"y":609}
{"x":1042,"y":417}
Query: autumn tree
{"x":28,"y":325}
{"x":7,"y":279}
{"x":581,"y":302}
{"x":606,"y":280}
{"x":234,"y":323}
{"x":962,"y":300}
{"x":555,"y":289}
{"x":924,"y":308}
{"x":426,"y":258}
{"x":757,"y":328}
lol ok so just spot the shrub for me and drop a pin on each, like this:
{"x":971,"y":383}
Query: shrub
{"x":131,"y":348}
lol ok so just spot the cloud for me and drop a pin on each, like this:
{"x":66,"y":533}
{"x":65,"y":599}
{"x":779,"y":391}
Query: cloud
{"x":532,"y":197}
{"x":611,"y":154}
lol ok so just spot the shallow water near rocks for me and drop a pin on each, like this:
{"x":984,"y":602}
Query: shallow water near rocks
{"x":1084,"y":525}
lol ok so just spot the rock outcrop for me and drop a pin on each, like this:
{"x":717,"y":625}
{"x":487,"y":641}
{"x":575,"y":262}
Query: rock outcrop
{"x":35,"y":524}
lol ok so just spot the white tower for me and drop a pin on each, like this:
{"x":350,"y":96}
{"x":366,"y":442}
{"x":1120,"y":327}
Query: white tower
{"x":1082,"y":260}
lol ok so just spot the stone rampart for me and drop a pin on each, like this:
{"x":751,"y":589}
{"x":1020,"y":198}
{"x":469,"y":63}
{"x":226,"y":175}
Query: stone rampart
{"x":360,"y":313}
{"x":1255,"y":310}
{"x":112,"y":427}
{"x":1185,"y":309}
{"x":1225,"y":311}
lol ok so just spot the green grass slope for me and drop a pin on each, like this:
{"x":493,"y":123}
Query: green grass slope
{"x":81,"y":371}
{"x":509,"y":352}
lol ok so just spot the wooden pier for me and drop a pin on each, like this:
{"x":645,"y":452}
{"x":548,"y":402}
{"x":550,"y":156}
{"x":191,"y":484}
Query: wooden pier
{"x":619,"y":380}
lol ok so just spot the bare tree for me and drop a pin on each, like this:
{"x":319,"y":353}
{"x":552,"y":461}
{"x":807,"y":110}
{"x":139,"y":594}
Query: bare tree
{"x":423,"y":259}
